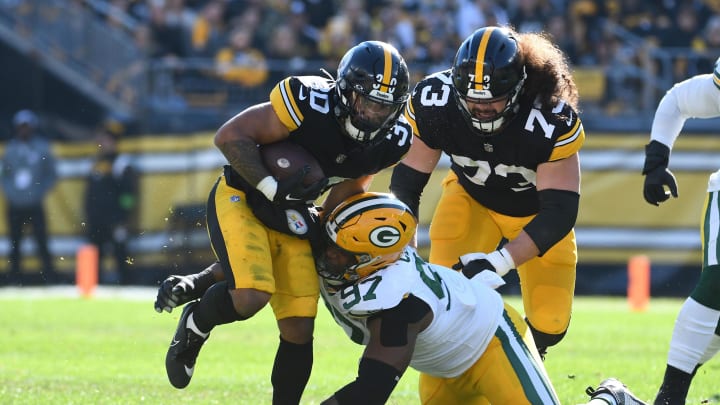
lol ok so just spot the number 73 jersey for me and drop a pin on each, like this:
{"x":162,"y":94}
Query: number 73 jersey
{"x":499,"y":170}
{"x":466,"y":313}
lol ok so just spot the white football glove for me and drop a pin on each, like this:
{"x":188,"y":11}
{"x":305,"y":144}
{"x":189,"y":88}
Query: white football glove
{"x":498,"y":261}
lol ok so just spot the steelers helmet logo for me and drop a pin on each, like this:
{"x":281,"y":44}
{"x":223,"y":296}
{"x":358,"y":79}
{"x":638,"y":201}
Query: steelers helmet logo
{"x":385,"y":236}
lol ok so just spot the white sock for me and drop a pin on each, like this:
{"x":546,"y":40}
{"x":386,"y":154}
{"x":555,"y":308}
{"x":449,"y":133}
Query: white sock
{"x":712,"y":349}
{"x":692,"y":335}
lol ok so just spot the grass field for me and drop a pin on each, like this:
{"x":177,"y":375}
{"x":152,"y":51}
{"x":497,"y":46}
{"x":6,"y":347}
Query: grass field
{"x":56,"y":348}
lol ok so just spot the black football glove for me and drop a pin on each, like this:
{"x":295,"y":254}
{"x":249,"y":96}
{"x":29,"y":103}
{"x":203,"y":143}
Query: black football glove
{"x":657,"y":175}
{"x":292,"y":190}
{"x":177,"y":290}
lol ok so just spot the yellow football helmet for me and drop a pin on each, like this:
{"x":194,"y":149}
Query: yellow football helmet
{"x":365,"y":233}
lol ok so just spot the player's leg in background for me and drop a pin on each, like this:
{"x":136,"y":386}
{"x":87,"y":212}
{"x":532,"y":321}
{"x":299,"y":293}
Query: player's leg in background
{"x":696,"y":334}
{"x":548,"y":287}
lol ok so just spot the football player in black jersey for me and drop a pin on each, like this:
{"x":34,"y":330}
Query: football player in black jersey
{"x":506,"y":115}
{"x":259,"y":226}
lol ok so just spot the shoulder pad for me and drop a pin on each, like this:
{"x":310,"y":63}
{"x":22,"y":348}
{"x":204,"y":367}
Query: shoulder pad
{"x":387,"y":288}
{"x":570,"y":134}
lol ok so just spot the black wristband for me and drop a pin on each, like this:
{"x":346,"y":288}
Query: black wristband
{"x":373,"y":385}
{"x":407,"y":184}
{"x":657,"y":155}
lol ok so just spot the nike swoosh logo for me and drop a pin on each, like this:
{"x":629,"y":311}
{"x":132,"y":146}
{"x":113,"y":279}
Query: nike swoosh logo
{"x":189,"y":370}
{"x":289,"y":198}
{"x":174,"y":342}
{"x":302,"y":95}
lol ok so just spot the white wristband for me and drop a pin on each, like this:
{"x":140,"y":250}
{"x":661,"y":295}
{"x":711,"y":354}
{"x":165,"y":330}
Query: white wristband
{"x":268,"y":186}
{"x":502,"y":261}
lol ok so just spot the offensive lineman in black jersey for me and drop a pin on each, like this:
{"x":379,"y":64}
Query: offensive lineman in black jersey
{"x":354,"y":127}
{"x":506,"y":115}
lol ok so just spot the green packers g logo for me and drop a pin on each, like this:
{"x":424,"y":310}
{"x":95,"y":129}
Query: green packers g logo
{"x":384,"y":236}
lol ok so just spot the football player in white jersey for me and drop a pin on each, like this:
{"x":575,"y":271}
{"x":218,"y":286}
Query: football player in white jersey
{"x":465,"y":341}
{"x":696,"y":335}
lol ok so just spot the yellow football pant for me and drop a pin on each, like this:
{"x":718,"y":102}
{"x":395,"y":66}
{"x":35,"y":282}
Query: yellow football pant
{"x":509,"y":372}
{"x":461,"y":225}
{"x":254,"y":256}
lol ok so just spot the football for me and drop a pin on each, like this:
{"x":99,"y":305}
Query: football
{"x":284,"y":158}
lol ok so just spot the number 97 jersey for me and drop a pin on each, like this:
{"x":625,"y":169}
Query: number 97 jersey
{"x":499,"y":170}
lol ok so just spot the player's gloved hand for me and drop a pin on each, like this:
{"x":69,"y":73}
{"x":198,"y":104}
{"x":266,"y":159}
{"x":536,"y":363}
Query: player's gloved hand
{"x":657,"y":175}
{"x":177,"y":290}
{"x":291,"y":189}
{"x":498,"y":261}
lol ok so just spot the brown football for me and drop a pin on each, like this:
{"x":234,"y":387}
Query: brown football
{"x":284,"y":158}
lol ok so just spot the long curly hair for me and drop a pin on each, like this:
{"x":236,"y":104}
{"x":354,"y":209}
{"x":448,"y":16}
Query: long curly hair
{"x":548,"y":72}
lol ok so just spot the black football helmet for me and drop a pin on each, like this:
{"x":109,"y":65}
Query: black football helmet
{"x":488,"y":68}
{"x":372,"y":87}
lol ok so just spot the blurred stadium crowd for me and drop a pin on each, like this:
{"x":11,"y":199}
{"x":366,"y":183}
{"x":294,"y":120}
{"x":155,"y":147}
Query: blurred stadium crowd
{"x":193,"y":54}
{"x":243,"y":35}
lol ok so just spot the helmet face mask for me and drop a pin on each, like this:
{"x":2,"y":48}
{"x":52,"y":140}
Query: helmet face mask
{"x":488,"y":70}
{"x":364,"y":234}
{"x":372,"y":88}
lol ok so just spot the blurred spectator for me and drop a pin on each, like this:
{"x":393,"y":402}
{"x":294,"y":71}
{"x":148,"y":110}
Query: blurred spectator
{"x":208,"y":31}
{"x":168,"y":32}
{"x":111,"y":196}
{"x":559,"y":32}
{"x":434,"y":57}
{"x":285,"y":54}
{"x":307,"y":34}
{"x":473,"y":14}
{"x":28,"y":175}
{"x":530,"y":15}
{"x":319,"y":11}
{"x":240,"y":62}
{"x":350,"y":26}
{"x":394,"y":26}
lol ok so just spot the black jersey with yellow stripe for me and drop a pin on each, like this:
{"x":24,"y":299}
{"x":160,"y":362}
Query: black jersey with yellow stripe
{"x":306,"y":104}
{"x":499,"y":171}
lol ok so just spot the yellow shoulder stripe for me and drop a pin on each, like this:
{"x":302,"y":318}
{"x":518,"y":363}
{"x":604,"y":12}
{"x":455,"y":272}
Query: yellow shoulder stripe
{"x":285,"y":106}
{"x":569,"y":143}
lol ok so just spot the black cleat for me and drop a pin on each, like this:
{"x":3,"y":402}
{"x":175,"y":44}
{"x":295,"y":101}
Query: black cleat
{"x":183,"y":351}
{"x":616,"y":390}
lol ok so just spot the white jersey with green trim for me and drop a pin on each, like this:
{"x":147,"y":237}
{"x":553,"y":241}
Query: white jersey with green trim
{"x":696,"y":97}
{"x":465,"y":313}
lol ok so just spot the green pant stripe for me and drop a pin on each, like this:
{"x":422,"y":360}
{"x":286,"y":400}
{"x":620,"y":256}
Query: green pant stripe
{"x":535,"y":384}
{"x":710,"y":228}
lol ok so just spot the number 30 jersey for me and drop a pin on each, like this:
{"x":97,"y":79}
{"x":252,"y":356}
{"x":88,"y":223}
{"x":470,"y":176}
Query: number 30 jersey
{"x":466,"y":313}
{"x":306,"y":104}
{"x":499,"y":171}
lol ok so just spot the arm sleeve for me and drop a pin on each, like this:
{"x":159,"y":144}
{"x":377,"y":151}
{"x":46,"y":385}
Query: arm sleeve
{"x":374,"y":384}
{"x":407,"y":184}
{"x":696,"y":97}
{"x":557,"y":215}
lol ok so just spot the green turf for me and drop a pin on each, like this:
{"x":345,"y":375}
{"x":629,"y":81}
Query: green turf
{"x":111,"y":351}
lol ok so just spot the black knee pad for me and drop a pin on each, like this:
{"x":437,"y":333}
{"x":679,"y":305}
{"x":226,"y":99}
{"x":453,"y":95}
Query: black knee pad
{"x":544,"y":340}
